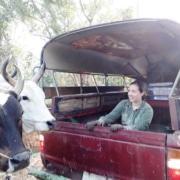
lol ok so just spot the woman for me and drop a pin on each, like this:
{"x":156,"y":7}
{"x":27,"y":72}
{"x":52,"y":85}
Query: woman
{"x":135,"y":113}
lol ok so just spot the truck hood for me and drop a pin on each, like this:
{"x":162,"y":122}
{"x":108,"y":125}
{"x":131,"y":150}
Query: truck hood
{"x":145,"y":49}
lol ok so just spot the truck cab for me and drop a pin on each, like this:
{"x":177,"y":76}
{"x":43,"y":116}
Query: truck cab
{"x":89,"y":71}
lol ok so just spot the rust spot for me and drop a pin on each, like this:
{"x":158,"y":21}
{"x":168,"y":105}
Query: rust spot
{"x":130,"y":44}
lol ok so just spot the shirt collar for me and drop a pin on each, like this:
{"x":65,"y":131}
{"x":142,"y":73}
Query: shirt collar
{"x":141,"y":106}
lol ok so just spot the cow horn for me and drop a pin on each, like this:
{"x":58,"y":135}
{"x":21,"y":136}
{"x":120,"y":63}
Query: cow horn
{"x":39,"y":74}
{"x":20,"y":81}
{"x":17,"y":86}
{"x":13,"y":74}
{"x":8,"y":78}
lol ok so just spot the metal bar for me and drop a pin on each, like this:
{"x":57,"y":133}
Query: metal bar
{"x":55,"y":83}
{"x":96,"y":84}
{"x":81,"y":84}
{"x":106,"y":80}
{"x":175,"y":84}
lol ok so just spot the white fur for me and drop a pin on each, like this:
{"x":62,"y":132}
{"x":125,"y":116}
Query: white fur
{"x":10,"y":167}
{"x":3,"y":98}
{"x":36,"y":114}
{"x":35,"y":111}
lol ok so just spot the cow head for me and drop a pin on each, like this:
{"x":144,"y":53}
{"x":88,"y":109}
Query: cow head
{"x":36,"y":115}
{"x":13,"y":154}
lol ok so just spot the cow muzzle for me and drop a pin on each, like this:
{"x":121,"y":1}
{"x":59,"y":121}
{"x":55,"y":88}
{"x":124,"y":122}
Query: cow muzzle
{"x":19,"y":161}
{"x":15,"y":163}
{"x":51,"y":124}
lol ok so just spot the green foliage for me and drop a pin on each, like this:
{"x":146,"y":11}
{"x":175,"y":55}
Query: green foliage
{"x":73,"y":79}
{"x":49,"y":18}
{"x":44,"y":18}
{"x":101,"y":11}
{"x":6,"y":16}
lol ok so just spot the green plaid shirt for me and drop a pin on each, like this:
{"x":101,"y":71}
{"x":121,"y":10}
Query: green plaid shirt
{"x":138,"y":119}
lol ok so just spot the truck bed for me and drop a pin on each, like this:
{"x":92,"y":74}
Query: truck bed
{"x":82,"y":108}
{"x":75,"y":149}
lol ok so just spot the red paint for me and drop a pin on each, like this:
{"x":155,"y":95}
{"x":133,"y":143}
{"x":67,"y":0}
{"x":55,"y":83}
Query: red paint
{"x":120,"y":155}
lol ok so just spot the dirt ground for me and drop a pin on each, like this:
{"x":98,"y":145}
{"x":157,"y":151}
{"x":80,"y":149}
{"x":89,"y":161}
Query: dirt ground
{"x":31,"y":141}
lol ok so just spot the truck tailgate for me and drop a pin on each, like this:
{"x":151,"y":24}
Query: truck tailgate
{"x":122,"y":155}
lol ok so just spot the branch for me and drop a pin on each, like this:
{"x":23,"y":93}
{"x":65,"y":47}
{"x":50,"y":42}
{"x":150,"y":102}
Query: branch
{"x":82,"y":8}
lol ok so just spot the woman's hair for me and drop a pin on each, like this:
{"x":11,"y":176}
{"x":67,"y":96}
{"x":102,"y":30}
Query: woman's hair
{"x":141,"y":86}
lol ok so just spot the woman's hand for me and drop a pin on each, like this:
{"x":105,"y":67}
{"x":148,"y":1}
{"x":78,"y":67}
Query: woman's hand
{"x":116,"y":127}
{"x":90,"y":125}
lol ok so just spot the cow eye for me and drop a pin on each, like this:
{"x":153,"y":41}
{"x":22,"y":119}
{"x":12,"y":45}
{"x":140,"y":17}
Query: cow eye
{"x":25,"y":98}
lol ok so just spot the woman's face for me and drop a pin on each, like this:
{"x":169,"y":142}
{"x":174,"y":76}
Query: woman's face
{"x":134,"y":94}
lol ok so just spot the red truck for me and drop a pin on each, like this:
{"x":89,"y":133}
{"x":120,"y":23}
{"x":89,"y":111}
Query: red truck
{"x":99,"y":62}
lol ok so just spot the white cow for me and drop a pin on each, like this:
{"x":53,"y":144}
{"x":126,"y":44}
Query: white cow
{"x":36,"y":115}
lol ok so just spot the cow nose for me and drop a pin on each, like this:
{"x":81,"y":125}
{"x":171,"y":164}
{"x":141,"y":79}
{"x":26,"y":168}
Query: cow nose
{"x":51,"y":124}
{"x":20,"y":160}
{"x":22,"y":156}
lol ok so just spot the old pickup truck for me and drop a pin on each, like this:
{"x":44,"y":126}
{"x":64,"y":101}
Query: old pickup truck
{"x":99,"y":62}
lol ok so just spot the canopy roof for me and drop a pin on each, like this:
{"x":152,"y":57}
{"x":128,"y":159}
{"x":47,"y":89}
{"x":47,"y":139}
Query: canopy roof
{"x":146,"y":49}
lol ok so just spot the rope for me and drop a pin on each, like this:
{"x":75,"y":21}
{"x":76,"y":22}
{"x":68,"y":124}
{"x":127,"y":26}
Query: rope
{"x":6,"y":156}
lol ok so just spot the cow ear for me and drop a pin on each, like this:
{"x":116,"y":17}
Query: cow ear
{"x":12,"y":93}
{"x":18,"y":97}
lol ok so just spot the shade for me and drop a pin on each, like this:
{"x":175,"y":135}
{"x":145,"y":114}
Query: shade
{"x":146,"y":49}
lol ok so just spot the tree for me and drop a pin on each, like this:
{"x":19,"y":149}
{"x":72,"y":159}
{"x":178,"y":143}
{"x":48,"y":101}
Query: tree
{"x":101,"y":11}
{"x":44,"y":18}
{"x":48,"y":18}
{"x":6,"y":17}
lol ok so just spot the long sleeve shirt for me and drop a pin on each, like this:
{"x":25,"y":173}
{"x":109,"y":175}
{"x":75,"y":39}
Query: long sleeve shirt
{"x":138,"y":119}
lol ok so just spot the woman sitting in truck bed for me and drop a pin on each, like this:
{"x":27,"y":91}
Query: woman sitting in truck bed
{"x":135,"y":113}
